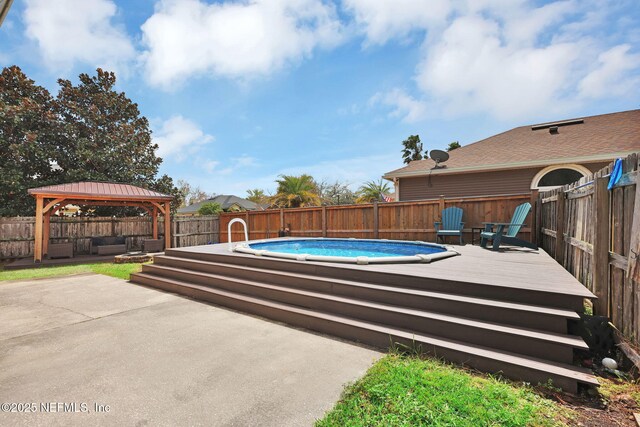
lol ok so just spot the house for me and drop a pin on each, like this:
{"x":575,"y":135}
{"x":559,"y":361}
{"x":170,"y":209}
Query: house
{"x":229,"y":203}
{"x":526,"y":158}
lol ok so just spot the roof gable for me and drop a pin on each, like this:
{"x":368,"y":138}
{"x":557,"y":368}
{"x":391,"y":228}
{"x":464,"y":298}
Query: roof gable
{"x":596,"y":138}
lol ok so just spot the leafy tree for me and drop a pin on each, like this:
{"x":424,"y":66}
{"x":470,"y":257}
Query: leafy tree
{"x":89,"y":132}
{"x":192,"y":194}
{"x":453,"y":145}
{"x":372,"y":191}
{"x":337,"y":193}
{"x":104,"y":138}
{"x":296,"y":191}
{"x":28,"y":127}
{"x":210,"y":208}
{"x":412,"y":149}
{"x":258,"y":196}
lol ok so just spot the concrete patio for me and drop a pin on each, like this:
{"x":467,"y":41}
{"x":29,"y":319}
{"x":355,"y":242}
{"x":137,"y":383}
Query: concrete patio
{"x":159,"y":359}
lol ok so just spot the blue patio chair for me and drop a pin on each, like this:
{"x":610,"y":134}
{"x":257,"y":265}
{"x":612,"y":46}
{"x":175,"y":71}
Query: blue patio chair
{"x":451,"y":224}
{"x":506,"y":232}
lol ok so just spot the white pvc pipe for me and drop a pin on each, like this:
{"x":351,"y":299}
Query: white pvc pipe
{"x":244,"y":225}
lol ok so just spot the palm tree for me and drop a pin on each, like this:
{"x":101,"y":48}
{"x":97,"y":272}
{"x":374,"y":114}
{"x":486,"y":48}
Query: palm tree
{"x":372,"y":191}
{"x":296,"y":192}
{"x":258,"y":196}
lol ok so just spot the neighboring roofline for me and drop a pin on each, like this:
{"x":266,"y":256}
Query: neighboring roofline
{"x":507,"y":166}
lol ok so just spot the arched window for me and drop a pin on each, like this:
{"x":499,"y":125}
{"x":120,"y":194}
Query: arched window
{"x":558,"y":175}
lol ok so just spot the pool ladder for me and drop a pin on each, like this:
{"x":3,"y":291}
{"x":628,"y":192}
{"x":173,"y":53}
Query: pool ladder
{"x":244,"y":226}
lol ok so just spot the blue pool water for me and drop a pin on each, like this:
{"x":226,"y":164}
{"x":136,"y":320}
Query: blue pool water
{"x":348,"y":248}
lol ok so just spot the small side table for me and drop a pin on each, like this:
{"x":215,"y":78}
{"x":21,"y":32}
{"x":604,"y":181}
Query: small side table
{"x":473,"y":233}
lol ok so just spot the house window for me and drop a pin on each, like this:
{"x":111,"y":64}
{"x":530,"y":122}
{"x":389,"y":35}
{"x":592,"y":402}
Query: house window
{"x":558,"y":175}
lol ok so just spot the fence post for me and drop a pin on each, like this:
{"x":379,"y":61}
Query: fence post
{"x":601,"y":243}
{"x":632,"y":277}
{"x":441,"y":203}
{"x":375,"y":219}
{"x":281,"y":219}
{"x":535,"y":228}
{"x":324,"y":221}
{"x":560,"y":227}
{"x":246,"y":218}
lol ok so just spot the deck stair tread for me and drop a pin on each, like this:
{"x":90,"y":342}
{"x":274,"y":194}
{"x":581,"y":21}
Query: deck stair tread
{"x":560,"y":339}
{"x":529,"y":363}
{"x":552,"y":311}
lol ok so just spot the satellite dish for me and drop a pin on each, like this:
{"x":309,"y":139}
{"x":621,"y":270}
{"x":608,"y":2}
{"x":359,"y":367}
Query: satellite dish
{"x":439,"y":156}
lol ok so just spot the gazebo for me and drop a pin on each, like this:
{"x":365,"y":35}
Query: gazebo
{"x":51,"y":198}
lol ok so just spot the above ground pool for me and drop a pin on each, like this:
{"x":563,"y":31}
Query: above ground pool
{"x":357,"y":251}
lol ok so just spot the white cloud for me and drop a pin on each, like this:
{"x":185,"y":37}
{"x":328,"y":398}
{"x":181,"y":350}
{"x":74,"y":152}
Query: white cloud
{"x":614,"y":75}
{"x":210,"y":165}
{"x":354,"y":171}
{"x":382,"y":20}
{"x":178,"y":138}
{"x":508,"y":59}
{"x":403,"y":105}
{"x":237,"y":39}
{"x":470,"y":69}
{"x":78,"y":31}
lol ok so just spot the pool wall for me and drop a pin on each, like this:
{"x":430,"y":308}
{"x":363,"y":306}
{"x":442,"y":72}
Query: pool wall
{"x":244,"y":247}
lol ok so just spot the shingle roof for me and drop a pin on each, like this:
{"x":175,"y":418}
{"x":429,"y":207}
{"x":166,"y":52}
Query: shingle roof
{"x":99,"y":189}
{"x":225,"y":201}
{"x":598,"y":138}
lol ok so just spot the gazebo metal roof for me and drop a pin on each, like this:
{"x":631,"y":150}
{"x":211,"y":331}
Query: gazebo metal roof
{"x":99,"y":190}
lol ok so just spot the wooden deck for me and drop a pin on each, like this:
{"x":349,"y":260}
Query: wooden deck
{"x":503,"y":312}
{"x":519,"y":268}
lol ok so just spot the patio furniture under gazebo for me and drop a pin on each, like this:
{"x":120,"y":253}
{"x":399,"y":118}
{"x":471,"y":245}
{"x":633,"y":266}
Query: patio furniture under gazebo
{"x":51,"y":198}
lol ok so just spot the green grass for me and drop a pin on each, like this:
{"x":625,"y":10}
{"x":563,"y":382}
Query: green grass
{"x":410,"y":391}
{"x":121,"y":271}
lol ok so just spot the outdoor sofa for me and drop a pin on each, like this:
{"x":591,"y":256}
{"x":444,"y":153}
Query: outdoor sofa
{"x":107,"y":245}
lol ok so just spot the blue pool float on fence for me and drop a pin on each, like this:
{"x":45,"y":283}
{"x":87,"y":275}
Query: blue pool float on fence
{"x":616,"y":174}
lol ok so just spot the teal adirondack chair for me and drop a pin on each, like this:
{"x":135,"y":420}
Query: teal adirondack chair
{"x":508,"y":236}
{"x":451,"y":224}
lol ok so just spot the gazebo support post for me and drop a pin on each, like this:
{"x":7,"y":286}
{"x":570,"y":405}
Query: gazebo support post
{"x":37,"y":244}
{"x":155,"y":222}
{"x":46,"y":232}
{"x":167,"y":225}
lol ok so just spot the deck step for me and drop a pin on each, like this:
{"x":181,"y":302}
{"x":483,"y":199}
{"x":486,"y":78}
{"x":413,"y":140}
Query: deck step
{"x":510,"y":364}
{"x":552,"y":346}
{"x":505,"y":312}
{"x":515,"y":293}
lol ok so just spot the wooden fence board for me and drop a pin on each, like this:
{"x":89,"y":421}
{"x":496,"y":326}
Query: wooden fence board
{"x":593,"y":232}
{"x":17,"y":233}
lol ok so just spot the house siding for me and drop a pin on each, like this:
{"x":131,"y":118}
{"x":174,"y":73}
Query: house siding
{"x":516,"y":181}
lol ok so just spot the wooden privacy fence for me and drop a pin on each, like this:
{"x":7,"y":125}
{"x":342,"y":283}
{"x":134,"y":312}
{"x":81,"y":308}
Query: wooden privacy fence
{"x":17,"y":233}
{"x":595,"y":234}
{"x":397,"y":220}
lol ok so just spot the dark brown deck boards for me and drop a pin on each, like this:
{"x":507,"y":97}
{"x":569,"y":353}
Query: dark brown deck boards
{"x":511,"y":268}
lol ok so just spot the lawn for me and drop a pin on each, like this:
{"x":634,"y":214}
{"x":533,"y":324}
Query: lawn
{"x":121,"y":271}
{"x":409,"y":391}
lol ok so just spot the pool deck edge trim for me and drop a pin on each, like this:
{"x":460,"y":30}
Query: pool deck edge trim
{"x":243,"y":247}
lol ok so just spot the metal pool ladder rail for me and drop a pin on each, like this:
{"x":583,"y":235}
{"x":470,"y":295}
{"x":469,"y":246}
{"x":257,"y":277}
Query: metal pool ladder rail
{"x":244,"y":225}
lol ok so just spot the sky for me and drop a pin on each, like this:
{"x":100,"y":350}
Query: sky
{"x":240,"y":92}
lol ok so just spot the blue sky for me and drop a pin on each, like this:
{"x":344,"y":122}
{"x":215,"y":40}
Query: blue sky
{"x":239,"y":92}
